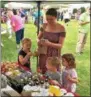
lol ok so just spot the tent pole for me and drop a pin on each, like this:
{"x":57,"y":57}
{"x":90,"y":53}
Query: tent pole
{"x":38,"y":5}
{"x":38,"y":27}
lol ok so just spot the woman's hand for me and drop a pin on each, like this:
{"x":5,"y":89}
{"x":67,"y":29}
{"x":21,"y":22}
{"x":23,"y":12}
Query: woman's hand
{"x":45,"y":42}
{"x":38,"y":42}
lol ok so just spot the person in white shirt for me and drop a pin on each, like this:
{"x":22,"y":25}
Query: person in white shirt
{"x":67,"y":17}
{"x":9,"y":27}
{"x":44,"y":15}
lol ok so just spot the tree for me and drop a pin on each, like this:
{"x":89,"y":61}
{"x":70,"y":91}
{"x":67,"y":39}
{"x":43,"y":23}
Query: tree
{"x":82,"y":9}
{"x":3,"y":3}
{"x":74,"y":10}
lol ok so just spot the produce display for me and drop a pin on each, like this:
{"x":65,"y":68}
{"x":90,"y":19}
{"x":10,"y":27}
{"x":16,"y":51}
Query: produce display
{"x":36,"y":84}
{"x":17,"y":76}
{"x":40,"y":85}
{"x":19,"y":81}
{"x":8,"y":66}
{"x":13,"y":73}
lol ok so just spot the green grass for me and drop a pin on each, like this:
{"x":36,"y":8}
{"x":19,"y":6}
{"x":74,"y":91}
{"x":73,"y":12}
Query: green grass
{"x":9,"y":53}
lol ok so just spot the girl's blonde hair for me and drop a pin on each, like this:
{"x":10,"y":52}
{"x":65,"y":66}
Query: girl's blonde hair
{"x":26,"y":40}
{"x":70,"y":59}
{"x":54,"y":61}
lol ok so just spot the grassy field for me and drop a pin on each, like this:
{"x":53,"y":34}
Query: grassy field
{"x":9,"y":53}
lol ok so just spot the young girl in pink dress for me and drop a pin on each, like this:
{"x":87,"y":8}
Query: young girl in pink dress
{"x":69,"y":74}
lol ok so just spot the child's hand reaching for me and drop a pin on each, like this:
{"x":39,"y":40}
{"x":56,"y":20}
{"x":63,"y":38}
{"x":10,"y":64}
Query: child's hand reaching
{"x":29,"y":53}
{"x":39,"y":70}
{"x":35,"y":54}
{"x":55,"y":82}
{"x":73,"y":80}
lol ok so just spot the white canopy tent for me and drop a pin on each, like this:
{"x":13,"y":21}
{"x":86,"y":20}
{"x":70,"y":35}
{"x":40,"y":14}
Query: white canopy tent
{"x":17,"y":5}
{"x":77,"y":6}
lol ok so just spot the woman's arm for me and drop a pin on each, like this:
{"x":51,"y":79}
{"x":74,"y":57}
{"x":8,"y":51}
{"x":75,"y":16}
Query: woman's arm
{"x":40,"y":35}
{"x":56,"y":45}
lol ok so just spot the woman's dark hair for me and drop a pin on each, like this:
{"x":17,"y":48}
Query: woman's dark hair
{"x":14,"y":11}
{"x":52,"y":12}
{"x":70,"y":59}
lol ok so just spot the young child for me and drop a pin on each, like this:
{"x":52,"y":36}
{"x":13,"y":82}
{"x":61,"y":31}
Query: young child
{"x":52,"y":64}
{"x":25,"y":53}
{"x":69,"y":74}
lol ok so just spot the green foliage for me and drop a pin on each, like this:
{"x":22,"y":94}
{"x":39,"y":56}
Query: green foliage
{"x":74,"y":10}
{"x":3,"y":3}
{"x":82,"y":9}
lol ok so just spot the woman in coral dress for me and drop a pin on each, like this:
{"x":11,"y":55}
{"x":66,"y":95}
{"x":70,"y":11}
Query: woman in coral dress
{"x":54,"y":33}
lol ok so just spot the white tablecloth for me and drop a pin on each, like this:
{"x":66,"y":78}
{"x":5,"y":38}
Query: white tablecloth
{"x":34,"y":91}
{"x":10,"y":91}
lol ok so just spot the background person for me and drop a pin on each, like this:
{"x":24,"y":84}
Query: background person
{"x":17,"y":26}
{"x":35,"y":14}
{"x":9,"y":27}
{"x":84,"y":28}
{"x":67,"y":17}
